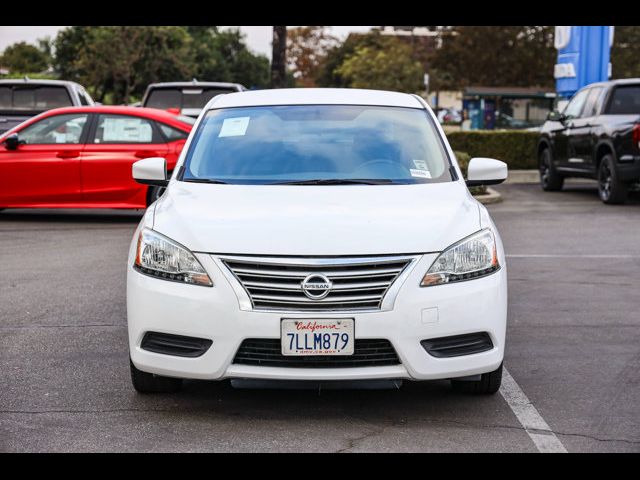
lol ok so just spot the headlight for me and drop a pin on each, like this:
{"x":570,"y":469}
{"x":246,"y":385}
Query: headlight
{"x":161,"y":257}
{"x":472,"y":257}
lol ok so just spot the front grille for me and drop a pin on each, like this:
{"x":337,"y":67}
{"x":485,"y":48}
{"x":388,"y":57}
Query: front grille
{"x":458,"y":345}
{"x":356,"y":283}
{"x":177,"y":345}
{"x":267,"y":352}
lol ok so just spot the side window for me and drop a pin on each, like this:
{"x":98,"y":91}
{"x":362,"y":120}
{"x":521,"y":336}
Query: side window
{"x":625,"y":100}
{"x":592,"y":104}
{"x":5,"y":97}
{"x":172,"y":134}
{"x":574,"y":108}
{"x":125,"y":129}
{"x":24,"y":98}
{"x":84,"y":99}
{"x":164,"y":98}
{"x":65,"y":129}
{"x":37,"y":98}
{"x":52,"y":97}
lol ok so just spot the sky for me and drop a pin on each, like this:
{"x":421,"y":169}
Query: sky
{"x":258,"y":38}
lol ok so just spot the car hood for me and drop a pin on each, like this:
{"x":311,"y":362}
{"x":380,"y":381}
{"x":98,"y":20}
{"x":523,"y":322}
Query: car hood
{"x":316,"y":220}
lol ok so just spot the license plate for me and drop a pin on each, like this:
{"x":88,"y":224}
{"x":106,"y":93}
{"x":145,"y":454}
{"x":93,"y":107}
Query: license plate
{"x":317,"y":336}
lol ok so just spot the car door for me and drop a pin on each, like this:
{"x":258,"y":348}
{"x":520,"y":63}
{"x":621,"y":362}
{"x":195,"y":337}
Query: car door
{"x":580,"y":139}
{"x":115,"y":143}
{"x":562,"y":151}
{"x":45,"y":169}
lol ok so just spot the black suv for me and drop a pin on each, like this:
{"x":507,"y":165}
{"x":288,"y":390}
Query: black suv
{"x":596,"y":136}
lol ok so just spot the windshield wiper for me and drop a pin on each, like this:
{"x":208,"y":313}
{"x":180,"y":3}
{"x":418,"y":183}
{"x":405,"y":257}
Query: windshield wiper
{"x":338,"y":181}
{"x":204,"y":180}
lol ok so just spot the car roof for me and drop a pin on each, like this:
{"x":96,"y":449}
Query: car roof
{"x":623,"y":81}
{"x":36,"y":82}
{"x":620,"y":81}
{"x":196,"y":83}
{"x":314,"y":96}
{"x":152,"y":113}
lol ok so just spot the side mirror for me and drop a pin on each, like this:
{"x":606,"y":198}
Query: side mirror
{"x":151,"y":171}
{"x":12,"y":142}
{"x":486,"y":171}
{"x":556,"y":116}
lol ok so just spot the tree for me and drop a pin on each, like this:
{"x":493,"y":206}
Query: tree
{"x":238,"y":64}
{"x":625,"y":52}
{"x":327,"y":71}
{"x":306,"y":49}
{"x":117,"y":63}
{"x":68,"y":43}
{"x":496,"y":56}
{"x":279,"y":57}
{"x":24,"y":58}
{"x":387,"y":68}
{"x":124,"y":60}
{"x":45,"y":45}
{"x":224,"y":56}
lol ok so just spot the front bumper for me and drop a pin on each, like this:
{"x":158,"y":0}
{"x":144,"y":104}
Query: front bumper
{"x":214,"y":313}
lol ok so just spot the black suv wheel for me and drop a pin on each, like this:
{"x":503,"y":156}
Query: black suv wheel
{"x":610,"y":188}
{"x":550,"y":180}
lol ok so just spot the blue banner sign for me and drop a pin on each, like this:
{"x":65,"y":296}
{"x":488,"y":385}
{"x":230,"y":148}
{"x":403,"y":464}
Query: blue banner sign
{"x":583,"y":57}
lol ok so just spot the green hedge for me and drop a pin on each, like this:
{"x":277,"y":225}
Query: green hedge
{"x":463,"y":161}
{"x":516,"y":148}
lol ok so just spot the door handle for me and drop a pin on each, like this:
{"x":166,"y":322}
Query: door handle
{"x":145,"y":154}
{"x":68,"y":154}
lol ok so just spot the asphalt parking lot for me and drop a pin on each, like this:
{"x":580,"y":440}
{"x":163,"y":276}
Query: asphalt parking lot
{"x":573,"y":347}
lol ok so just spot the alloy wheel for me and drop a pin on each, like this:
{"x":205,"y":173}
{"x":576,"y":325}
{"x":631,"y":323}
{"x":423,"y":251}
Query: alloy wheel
{"x":544,"y":169}
{"x":604,"y":181}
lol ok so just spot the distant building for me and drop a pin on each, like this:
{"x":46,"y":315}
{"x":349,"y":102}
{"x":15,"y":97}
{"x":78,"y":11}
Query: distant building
{"x":506,"y":107}
{"x":445,"y":99}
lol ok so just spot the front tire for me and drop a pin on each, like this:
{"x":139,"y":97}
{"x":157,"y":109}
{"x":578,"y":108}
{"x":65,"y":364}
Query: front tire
{"x":610,"y":189}
{"x":550,"y":180}
{"x":489,"y":383}
{"x":145,"y":382}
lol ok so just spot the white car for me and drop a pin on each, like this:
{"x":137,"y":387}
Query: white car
{"x":319,"y":235}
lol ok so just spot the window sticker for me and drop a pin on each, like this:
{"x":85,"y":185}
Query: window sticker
{"x":421,"y":165}
{"x":420,"y":173}
{"x":234,"y":127}
{"x":126,"y":130}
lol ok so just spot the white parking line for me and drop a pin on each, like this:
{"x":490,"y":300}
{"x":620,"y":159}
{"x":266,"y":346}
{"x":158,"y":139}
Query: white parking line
{"x":543,"y":255}
{"x":543,"y":437}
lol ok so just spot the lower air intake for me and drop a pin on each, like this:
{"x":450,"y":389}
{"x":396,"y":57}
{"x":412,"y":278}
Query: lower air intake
{"x":267,"y":352}
{"x":458,"y":345}
{"x":176,"y":345}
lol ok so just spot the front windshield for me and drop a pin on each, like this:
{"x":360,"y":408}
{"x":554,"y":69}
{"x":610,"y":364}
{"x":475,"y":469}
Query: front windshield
{"x":315,"y":143}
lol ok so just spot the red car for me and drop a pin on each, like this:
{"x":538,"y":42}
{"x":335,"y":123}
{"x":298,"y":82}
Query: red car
{"x":81,"y":157}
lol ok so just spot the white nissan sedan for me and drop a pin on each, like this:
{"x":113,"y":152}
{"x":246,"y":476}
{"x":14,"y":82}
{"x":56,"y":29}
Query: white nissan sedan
{"x":317,"y":236}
